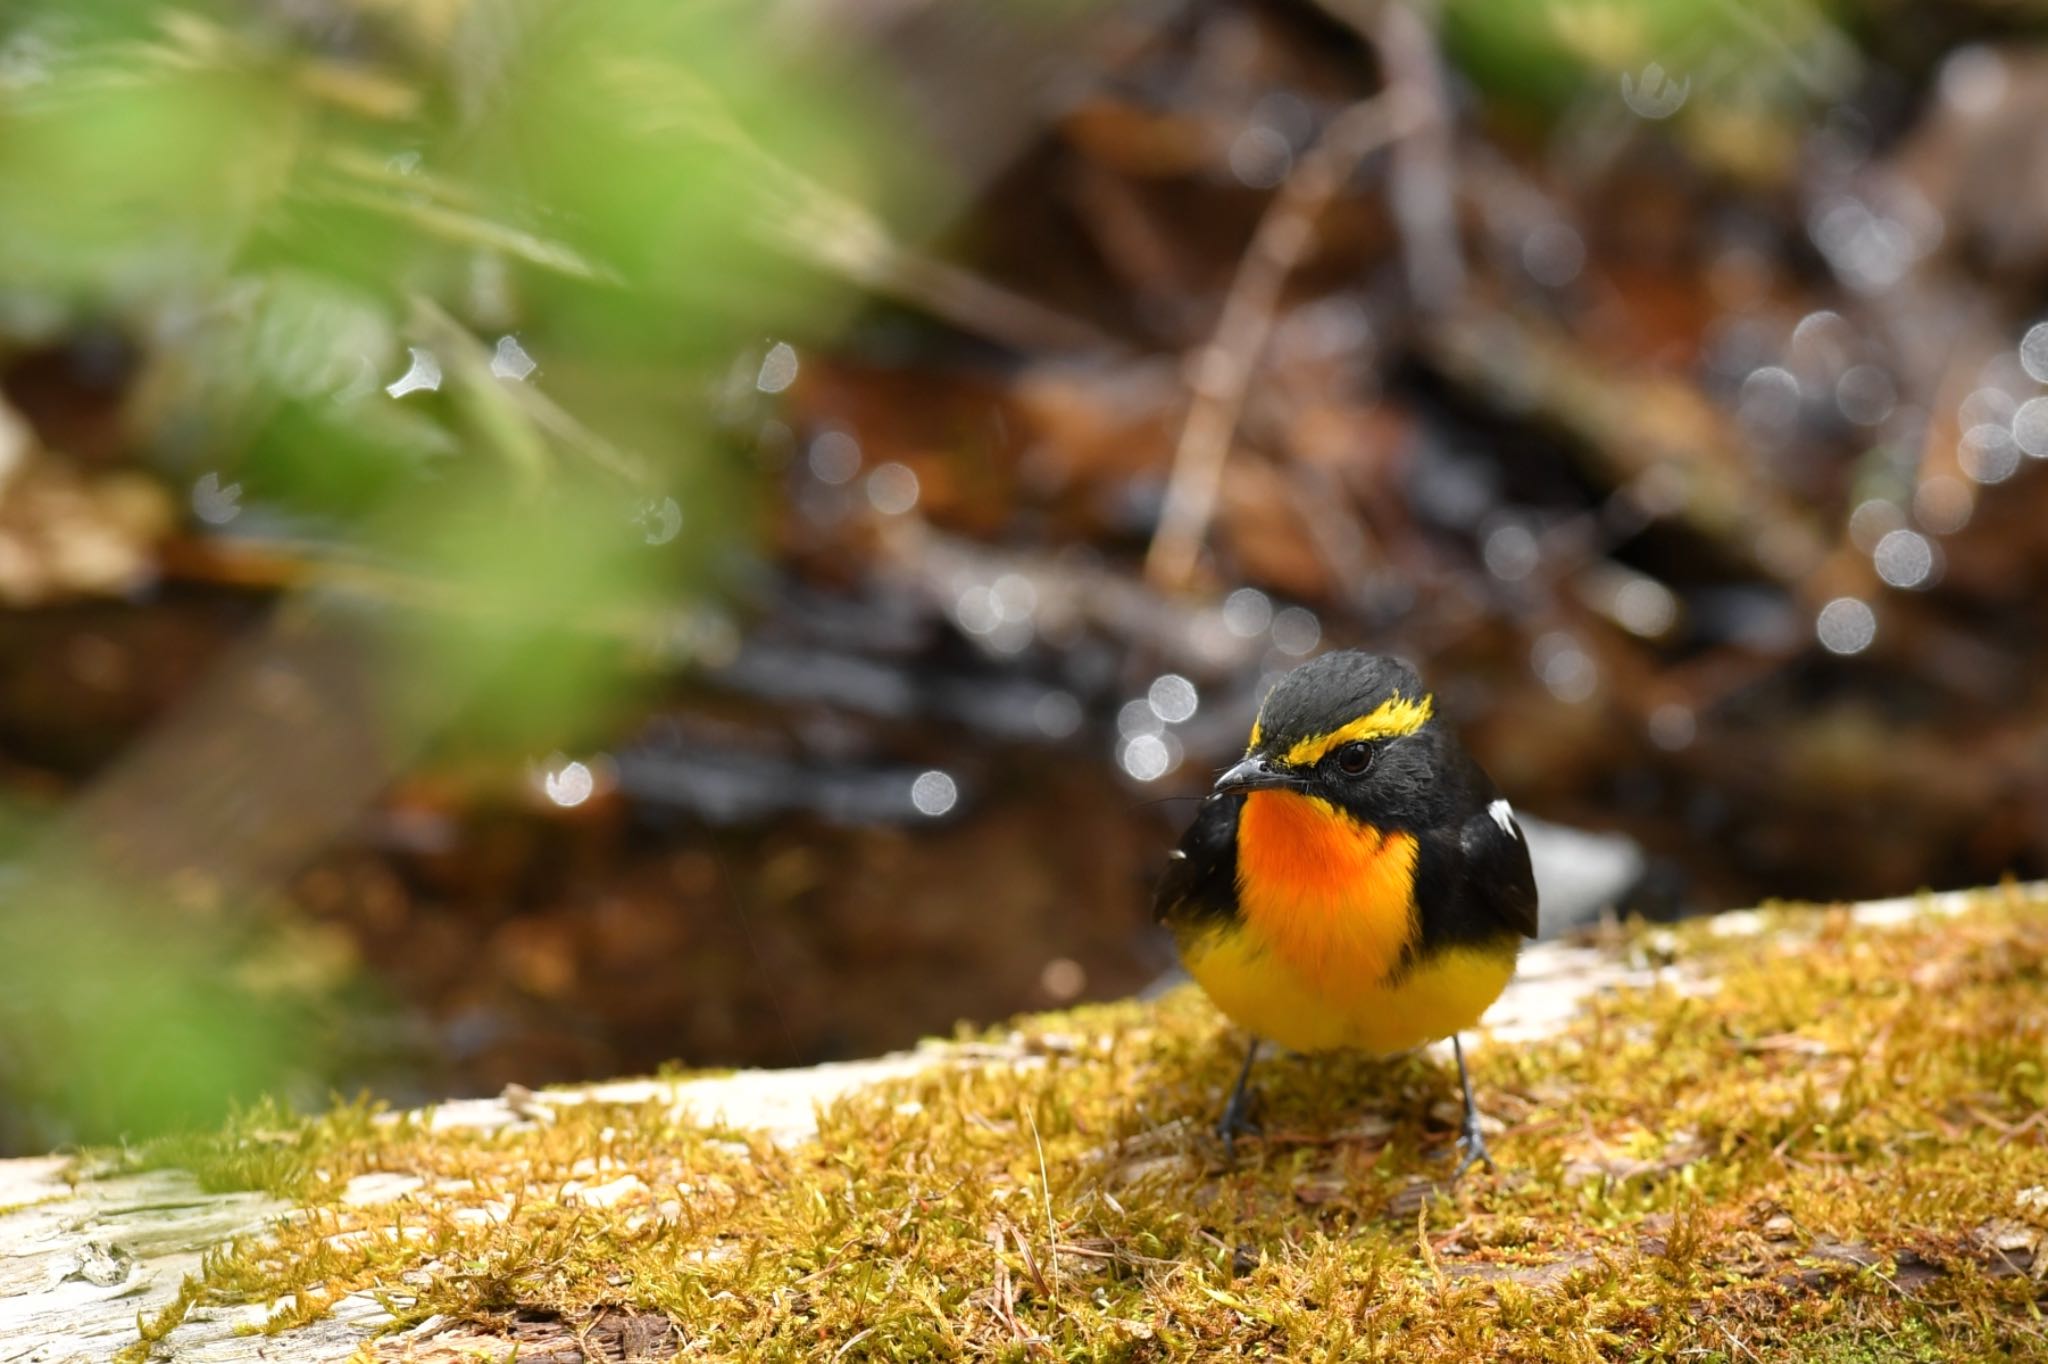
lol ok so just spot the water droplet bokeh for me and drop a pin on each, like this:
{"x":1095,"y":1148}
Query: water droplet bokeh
{"x":1296,"y":631}
{"x":1873,"y":519}
{"x":2030,"y":429}
{"x":1511,"y":552}
{"x":892,"y":489}
{"x":1990,"y":454}
{"x":660,"y":520}
{"x":422,"y":376}
{"x":1846,"y":625}
{"x":569,"y":785}
{"x":1973,"y":80}
{"x":1247,"y":612}
{"x":1013,"y":597}
{"x":1672,"y":726}
{"x":1645,"y":607}
{"x":1057,"y":714}
{"x":1146,"y":757}
{"x":510,"y":360}
{"x":833,"y":457}
{"x":1905,"y":558}
{"x":1769,"y":402}
{"x":1554,"y":254}
{"x":1135,"y":718}
{"x":778,"y":368}
{"x":2034,"y":352}
{"x":1173,"y":698}
{"x":1942,"y":504}
{"x":934,"y":793}
{"x":1865,"y":395}
{"x":1653,"y":94}
{"x":216,"y":503}
{"x":1565,"y":668}
{"x":1260,"y":157}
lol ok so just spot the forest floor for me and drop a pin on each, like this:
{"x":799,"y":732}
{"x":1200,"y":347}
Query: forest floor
{"x":1805,"y":1133}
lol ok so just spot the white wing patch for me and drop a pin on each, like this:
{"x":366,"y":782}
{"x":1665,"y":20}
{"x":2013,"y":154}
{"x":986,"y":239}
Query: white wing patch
{"x":1504,"y":815}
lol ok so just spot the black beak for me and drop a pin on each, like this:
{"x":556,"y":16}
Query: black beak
{"x":1256,"y":773}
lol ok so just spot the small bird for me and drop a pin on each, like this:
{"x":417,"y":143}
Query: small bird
{"x":1357,"y":881}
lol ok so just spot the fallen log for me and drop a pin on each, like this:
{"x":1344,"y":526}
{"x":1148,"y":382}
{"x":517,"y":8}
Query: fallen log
{"x":99,"y":1258}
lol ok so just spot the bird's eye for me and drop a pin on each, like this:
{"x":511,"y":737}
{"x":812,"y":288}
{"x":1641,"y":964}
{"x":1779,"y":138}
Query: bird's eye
{"x":1353,"y":759}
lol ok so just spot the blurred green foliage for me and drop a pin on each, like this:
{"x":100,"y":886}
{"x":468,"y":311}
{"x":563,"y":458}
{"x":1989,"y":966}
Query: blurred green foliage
{"x":1728,"y":74}
{"x":284,"y":207}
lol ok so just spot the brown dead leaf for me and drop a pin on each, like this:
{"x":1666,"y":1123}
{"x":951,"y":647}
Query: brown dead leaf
{"x":607,"y":1337}
{"x":1543,"y":1277}
{"x":64,"y":533}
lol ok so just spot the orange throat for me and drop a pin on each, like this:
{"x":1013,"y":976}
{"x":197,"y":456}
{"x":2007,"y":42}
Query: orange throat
{"x":1331,"y":897}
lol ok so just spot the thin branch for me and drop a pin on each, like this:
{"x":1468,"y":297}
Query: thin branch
{"x":842,"y":236}
{"x":1224,"y":368}
{"x":1422,"y":184}
{"x":847,"y":240}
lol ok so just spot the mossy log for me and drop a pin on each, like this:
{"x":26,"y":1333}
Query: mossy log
{"x":1879,"y":1180}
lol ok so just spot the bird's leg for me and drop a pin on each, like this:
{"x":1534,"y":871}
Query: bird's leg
{"x":1470,"y":1143}
{"x":1236,"y":1120}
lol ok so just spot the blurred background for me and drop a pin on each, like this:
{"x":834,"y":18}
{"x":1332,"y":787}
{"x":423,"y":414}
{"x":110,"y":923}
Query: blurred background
{"x":540,"y":540}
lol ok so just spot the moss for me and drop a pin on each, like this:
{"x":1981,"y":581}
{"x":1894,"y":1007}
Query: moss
{"x":150,"y":1331}
{"x":1816,"y":1158}
{"x":264,"y":1149}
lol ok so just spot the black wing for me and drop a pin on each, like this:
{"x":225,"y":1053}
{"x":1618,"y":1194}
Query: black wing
{"x":1473,"y":879}
{"x":1199,"y":885}
{"x":1497,"y":871}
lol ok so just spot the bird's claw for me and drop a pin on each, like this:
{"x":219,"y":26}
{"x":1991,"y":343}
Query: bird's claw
{"x":1471,"y":1142}
{"x":1236,"y":1122}
{"x":1472,"y":1147}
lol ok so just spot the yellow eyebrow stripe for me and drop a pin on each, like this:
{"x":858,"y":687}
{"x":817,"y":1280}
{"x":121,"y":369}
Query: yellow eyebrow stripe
{"x":1397,"y":715}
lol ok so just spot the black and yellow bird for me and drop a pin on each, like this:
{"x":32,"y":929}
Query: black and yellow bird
{"x":1356,"y":881}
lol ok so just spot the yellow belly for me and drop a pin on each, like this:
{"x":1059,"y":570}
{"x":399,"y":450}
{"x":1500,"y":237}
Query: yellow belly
{"x":1262,"y":993}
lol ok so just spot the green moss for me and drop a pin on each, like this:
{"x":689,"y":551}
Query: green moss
{"x":1911,"y":1343}
{"x":1816,"y":1157}
{"x":150,"y":1331}
{"x":267,"y":1148}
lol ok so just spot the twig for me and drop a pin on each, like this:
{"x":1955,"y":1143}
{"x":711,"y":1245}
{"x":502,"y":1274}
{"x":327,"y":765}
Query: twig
{"x":1421,"y":189}
{"x":1005,"y":1288}
{"x":1052,"y":1238}
{"x":1421,"y":185}
{"x":839,"y":234}
{"x":852,"y":1341}
{"x":1223,"y":369}
{"x":846,"y":239}
{"x":1736,"y":1341}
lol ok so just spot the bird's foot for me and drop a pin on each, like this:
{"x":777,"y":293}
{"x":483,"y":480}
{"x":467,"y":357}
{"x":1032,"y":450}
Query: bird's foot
{"x":1237,"y":1121}
{"x":1472,"y":1148}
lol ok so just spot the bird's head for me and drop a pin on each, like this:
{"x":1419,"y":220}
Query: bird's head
{"x":1352,"y":731}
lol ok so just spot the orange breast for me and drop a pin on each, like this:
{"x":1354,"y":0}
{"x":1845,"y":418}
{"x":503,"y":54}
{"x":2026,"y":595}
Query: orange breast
{"x":1331,"y":897}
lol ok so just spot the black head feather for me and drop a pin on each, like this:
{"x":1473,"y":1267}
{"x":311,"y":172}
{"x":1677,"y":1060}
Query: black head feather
{"x":1416,"y":780}
{"x":1329,"y":692}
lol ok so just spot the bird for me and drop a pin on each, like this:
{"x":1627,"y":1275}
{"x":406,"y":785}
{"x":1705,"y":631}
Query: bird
{"x":1356,"y":881}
